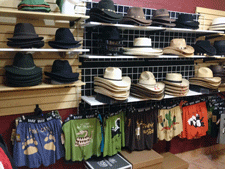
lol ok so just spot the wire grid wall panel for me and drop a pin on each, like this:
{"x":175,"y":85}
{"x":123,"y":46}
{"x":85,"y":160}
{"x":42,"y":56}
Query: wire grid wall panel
{"x":92,"y":35}
{"x":159,"y":72}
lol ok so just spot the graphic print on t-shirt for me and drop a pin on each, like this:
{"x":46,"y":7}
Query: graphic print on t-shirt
{"x":29,"y":145}
{"x":171,"y":122}
{"x":138,"y":130}
{"x":148,"y":128}
{"x":196,"y":121}
{"x":50,"y":140}
{"x":83,"y":140}
{"x":116,"y":129}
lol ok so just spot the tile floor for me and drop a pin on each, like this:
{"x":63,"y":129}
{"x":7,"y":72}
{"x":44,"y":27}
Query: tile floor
{"x":212,"y":157}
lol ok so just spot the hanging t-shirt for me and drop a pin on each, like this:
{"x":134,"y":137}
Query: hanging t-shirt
{"x":114,"y":134}
{"x":170,"y":124}
{"x":82,"y":139}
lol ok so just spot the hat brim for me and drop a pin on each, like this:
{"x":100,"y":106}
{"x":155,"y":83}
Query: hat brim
{"x":145,"y":50}
{"x":163,"y":24}
{"x":23,"y":37}
{"x":113,"y":93}
{"x":65,"y":43}
{"x":63,"y":46}
{"x":158,"y":87}
{"x":176,"y":90}
{"x":177,"y":95}
{"x":212,"y":80}
{"x":147,"y":92}
{"x":188,"y":50}
{"x":142,"y":96}
{"x":125,"y":82}
{"x":108,"y":13}
{"x":25,"y":78}
{"x":184,"y":83}
{"x":27,"y":45}
{"x":189,"y":23}
{"x":17,"y":81}
{"x":110,"y":87}
{"x":109,"y":95}
{"x":104,"y":17}
{"x":210,"y":50}
{"x":24,"y":84}
{"x":140,"y":20}
{"x":98,"y":19}
{"x":17,"y":71}
{"x":161,"y":18}
{"x":62,"y":76}
{"x":203,"y":85}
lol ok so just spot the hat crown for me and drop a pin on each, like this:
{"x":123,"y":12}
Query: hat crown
{"x":61,"y":66}
{"x":135,"y":12}
{"x":111,"y":33}
{"x":185,"y":17}
{"x":142,"y":42}
{"x":174,"y":77}
{"x":178,"y":43}
{"x":106,"y":4}
{"x":113,"y":73}
{"x":217,"y":69}
{"x":204,"y":72}
{"x":23,"y":61}
{"x":24,"y":29}
{"x":203,"y":43}
{"x":147,"y":78}
{"x":64,"y":34}
{"x":161,"y":13}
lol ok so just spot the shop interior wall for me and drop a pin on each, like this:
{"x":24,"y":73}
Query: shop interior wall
{"x":174,"y":5}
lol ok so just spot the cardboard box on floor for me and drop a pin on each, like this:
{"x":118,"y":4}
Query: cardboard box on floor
{"x":146,"y":159}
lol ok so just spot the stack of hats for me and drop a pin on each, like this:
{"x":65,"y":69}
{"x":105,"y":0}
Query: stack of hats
{"x":218,"y":24}
{"x":205,"y":78}
{"x":220,"y":47}
{"x":111,"y":40}
{"x":105,"y":12}
{"x":161,"y":17}
{"x":25,"y":37}
{"x":64,"y":39}
{"x":218,"y":71}
{"x":186,"y":21}
{"x":23,"y":72}
{"x":113,"y":84}
{"x":62,"y":73}
{"x":142,"y":47}
{"x":179,"y":47}
{"x":175,"y":85}
{"x":135,"y":16}
{"x":147,"y":87}
{"x":203,"y":47}
{"x":31,"y":5}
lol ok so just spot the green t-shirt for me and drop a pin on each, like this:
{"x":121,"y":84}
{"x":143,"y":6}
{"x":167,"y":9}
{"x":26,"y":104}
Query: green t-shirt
{"x":114,"y":134}
{"x":82,"y":139}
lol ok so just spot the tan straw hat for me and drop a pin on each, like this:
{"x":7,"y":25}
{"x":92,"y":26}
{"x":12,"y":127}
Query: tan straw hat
{"x":175,"y":79}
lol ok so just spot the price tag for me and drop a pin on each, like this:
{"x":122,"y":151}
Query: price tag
{"x":209,"y":114}
{"x":160,"y":119}
{"x":214,"y":118}
{"x":18,"y":139}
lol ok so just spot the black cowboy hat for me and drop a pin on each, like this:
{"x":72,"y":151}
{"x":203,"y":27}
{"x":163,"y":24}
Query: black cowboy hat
{"x":180,"y":25}
{"x":204,"y":46}
{"x":102,"y":18}
{"x":24,"y":31}
{"x":64,"y":39}
{"x":23,"y":64}
{"x":26,"y":44}
{"x":111,"y":33}
{"x":220,"y":47}
{"x":61,"y":69}
{"x":20,"y":77}
{"x":107,"y":8}
{"x":187,"y":20}
{"x":23,"y":84}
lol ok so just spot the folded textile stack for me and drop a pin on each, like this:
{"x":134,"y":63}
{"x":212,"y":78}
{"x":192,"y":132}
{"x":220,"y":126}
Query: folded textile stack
{"x":147,"y":87}
{"x":25,"y":37}
{"x":218,"y":24}
{"x":175,"y":85}
{"x":113,"y":84}
{"x":220,"y":47}
{"x":62,"y":73}
{"x":179,"y":47}
{"x":204,"y":78}
{"x":218,"y":71}
{"x":161,"y":17}
{"x":203,"y":47}
{"x":135,"y":16}
{"x":142,"y":46}
{"x":186,"y":21}
{"x":105,"y":12}
{"x":23,"y":72}
{"x":64,"y":39}
{"x":34,"y":5}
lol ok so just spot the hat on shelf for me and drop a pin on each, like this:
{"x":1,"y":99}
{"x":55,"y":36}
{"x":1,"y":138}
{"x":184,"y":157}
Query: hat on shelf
{"x":161,"y":17}
{"x":220,"y":47}
{"x":218,"y":70}
{"x":31,"y":5}
{"x":142,"y":46}
{"x":105,"y":12}
{"x":186,"y":21}
{"x":64,"y":39}
{"x":136,"y":15}
{"x":204,"y":47}
{"x":179,"y":47}
{"x":26,"y":44}
{"x":218,"y":24}
{"x":147,"y":87}
{"x":111,"y":33}
{"x":62,"y":72}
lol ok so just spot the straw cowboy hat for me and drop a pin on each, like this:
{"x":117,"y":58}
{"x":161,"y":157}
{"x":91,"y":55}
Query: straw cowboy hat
{"x":179,"y":47}
{"x":205,"y":74}
{"x":177,"y":90}
{"x":142,"y":46}
{"x":175,"y":79}
{"x":176,"y":94}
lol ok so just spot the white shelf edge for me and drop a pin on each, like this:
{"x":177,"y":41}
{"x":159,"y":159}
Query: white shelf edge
{"x":127,"y":56}
{"x":150,"y":28}
{"x":42,"y":50}
{"x":93,"y":102}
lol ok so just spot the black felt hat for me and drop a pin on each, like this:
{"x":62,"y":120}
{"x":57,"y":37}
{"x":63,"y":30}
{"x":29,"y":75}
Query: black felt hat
{"x":23,"y":64}
{"x":26,"y":43}
{"x":25,"y":31}
{"x":101,"y":18}
{"x":204,"y":46}
{"x":107,"y":8}
{"x":64,"y":39}
{"x":111,"y":33}
{"x":220,"y":47}
{"x":187,"y":20}
{"x":180,"y":25}
{"x":61,"y":70}
{"x":23,"y":84}
{"x":21,"y":77}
